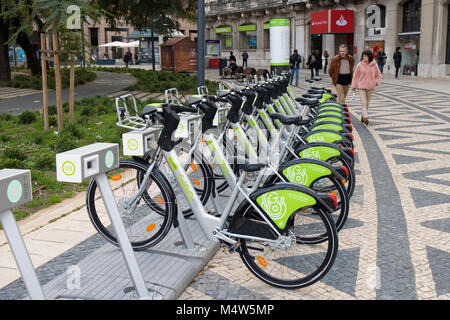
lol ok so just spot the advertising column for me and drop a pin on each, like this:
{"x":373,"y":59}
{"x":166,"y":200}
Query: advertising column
{"x":279,"y":45}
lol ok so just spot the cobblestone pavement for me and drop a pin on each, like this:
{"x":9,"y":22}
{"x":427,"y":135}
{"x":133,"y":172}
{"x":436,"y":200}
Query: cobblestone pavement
{"x":396,"y":242}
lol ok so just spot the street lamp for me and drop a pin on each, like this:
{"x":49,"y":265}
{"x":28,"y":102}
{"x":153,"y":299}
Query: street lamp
{"x":201,"y":43}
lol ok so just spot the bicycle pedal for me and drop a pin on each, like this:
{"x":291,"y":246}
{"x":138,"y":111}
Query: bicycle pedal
{"x":234,"y":247}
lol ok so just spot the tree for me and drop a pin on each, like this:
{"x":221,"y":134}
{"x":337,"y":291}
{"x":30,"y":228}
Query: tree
{"x":159,"y":15}
{"x":19,"y":18}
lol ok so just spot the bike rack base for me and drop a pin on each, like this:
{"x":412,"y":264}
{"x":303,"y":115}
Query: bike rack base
{"x":167,"y":269}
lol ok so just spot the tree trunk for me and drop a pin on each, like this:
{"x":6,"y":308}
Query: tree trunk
{"x":33,"y":62}
{"x":5,"y":70}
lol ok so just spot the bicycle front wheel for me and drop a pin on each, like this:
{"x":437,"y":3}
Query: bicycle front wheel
{"x":145,"y":224}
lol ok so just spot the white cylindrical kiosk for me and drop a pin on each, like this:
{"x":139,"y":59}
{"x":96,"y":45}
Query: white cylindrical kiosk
{"x":279,"y":44}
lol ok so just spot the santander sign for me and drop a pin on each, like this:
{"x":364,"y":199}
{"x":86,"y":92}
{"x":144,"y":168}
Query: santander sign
{"x":332,"y":21}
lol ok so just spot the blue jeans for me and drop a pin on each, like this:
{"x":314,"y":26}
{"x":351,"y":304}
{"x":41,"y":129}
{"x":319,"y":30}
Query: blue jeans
{"x":296,"y":71}
{"x":381,"y":66}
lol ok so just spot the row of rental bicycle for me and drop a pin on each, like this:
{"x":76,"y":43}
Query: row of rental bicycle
{"x":266,"y":173}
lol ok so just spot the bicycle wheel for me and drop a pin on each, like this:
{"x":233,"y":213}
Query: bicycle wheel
{"x":298,"y":261}
{"x":145,"y":227}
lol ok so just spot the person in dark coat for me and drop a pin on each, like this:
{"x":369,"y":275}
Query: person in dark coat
{"x":397,"y":61}
{"x":381,"y":59}
{"x":294,"y":62}
{"x":312,"y":62}
{"x":318,"y":65}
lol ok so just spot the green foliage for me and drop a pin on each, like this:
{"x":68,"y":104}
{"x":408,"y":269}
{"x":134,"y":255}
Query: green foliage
{"x":12,"y":152}
{"x":27,"y":117}
{"x":45,"y":160}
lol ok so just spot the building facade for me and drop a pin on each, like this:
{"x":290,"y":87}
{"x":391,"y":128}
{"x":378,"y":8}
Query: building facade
{"x":421,"y":28}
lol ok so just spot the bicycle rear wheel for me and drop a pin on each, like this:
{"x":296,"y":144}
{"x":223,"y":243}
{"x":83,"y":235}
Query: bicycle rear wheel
{"x":298,"y":261}
{"x":145,"y":226}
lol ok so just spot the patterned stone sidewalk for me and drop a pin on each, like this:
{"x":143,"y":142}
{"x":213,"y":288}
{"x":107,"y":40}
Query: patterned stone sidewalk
{"x":396,"y":244}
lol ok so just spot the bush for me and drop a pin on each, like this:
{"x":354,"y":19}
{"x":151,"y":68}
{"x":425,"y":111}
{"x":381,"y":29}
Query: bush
{"x":52,"y":110}
{"x":64,"y":142}
{"x":14,"y":153}
{"x":11,"y":164}
{"x":6,"y":116}
{"x":27,"y":117}
{"x":4,"y":138}
{"x":52,"y":121}
{"x":73,"y":130}
{"x":46,"y":161}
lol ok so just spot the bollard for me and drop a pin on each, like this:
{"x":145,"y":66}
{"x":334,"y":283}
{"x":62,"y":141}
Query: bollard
{"x":93,"y":161}
{"x":15,"y":186}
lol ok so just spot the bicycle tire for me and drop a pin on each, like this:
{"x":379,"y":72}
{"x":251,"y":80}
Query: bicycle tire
{"x":148,"y":228}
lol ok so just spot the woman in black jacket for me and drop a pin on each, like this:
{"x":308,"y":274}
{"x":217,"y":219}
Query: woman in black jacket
{"x":397,"y":61}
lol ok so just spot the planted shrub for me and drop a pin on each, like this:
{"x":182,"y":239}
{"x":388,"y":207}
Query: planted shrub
{"x":27,"y":117}
{"x":14,"y":153}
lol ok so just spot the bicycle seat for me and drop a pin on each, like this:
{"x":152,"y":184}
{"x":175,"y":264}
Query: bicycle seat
{"x":286,"y":120}
{"x":247,"y":167}
{"x":308,"y":102}
{"x":150,"y":109}
{"x":313,"y":96}
{"x":194,"y":99}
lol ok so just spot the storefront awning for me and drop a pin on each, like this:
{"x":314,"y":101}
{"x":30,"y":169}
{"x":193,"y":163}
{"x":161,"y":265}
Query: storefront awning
{"x":249,"y":27}
{"x":223,"y":29}
{"x":409,"y":35}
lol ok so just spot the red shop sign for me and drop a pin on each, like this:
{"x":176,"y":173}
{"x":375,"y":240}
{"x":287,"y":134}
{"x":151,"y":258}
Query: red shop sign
{"x":342,"y":21}
{"x":332,"y":21}
{"x":319,"y":22}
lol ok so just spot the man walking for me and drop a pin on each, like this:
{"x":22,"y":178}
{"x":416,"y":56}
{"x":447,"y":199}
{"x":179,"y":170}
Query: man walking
{"x":294,"y":62}
{"x":244,"y":59}
{"x":341,"y":72}
{"x":381,"y":59}
{"x":397,"y":61}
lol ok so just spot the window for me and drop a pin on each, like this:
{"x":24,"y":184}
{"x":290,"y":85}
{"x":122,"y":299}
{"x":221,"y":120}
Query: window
{"x":224,"y":34}
{"x":247,"y":36}
{"x":411,"y":16}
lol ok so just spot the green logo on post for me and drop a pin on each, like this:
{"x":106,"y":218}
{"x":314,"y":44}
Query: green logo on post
{"x":68,"y":168}
{"x":133,"y":144}
{"x":14,"y":191}
{"x":109,"y":159}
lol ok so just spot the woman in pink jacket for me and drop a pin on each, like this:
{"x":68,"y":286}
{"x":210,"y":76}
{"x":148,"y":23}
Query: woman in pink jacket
{"x":366,"y":78}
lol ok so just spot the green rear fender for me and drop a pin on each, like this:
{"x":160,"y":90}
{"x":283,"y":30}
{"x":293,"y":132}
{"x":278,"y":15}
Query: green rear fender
{"x":329,"y":137}
{"x":305,"y":173}
{"x":319,"y":153}
{"x":279,"y":205}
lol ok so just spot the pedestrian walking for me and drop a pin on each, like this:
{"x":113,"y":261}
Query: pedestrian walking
{"x":366,"y":78}
{"x":326,"y":55}
{"x":381,"y":59}
{"x":294,"y":62}
{"x":232,"y":58}
{"x":244,"y":59}
{"x":319,"y":63}
{"x":397,"y":61}
{"x":341,"y":72}
{"x":126,"y":59}
{"x":312,"y":60}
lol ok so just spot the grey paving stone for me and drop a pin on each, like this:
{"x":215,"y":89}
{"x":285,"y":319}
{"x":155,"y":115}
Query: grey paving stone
{"x":425,"y":198}
{"x":439,"y":224}
{"x":440,"y":265}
